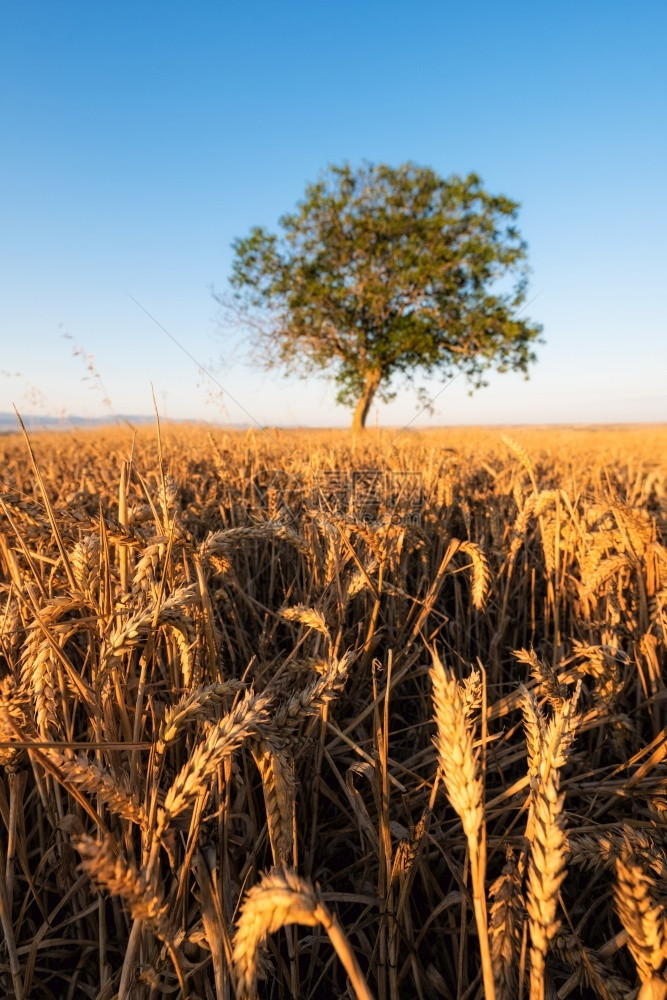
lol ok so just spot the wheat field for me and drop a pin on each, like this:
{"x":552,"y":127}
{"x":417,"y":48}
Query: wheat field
{"x":302,"y":714}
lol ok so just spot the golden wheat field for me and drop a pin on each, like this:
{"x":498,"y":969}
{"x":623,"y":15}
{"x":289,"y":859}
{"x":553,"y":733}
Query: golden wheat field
{"x":292,"y":714}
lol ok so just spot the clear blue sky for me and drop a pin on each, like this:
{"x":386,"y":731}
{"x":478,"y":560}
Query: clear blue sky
{"x":138,"y":139}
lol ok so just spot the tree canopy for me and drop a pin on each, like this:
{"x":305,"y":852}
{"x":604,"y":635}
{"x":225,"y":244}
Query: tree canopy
{"x":382,"y":274}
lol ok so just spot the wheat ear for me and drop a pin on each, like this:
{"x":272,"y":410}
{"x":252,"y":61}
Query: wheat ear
{"x":104,"y":865}
{"x":306,"y":616}
{"x":546,"y":869}
{"x":545,"y":875}
{"x":97,"y":781}
{"x":481,"y":575}
{"x":507,"y":918}
{"x":111,"y":872}
{"x":282,"y":898}
{"x":459,"y":767}
{"x":223,"y":738}
{"x":641,"y":919}
{"x":279,"y":798}
{"x":313,"y":698}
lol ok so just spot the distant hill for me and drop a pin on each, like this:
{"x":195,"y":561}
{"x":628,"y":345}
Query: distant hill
{"x":33,"y":422}
{"x":9,"y":423}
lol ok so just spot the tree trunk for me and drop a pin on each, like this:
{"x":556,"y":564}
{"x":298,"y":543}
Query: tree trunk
{"x":371,"y":384}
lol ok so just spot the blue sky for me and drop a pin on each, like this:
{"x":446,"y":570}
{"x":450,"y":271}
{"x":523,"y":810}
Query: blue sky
{"x":139,"y":139}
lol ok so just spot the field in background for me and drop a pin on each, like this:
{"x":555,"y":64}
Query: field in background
{"x":403,"y":697}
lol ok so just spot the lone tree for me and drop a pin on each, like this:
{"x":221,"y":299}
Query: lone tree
{"x":382,"y":274}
